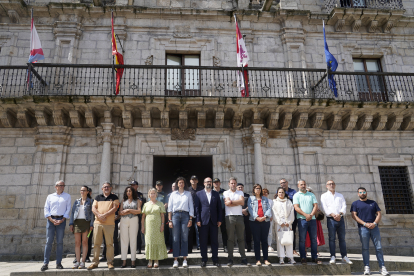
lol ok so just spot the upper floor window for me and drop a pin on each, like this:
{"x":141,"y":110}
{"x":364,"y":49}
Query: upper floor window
{"x":370,"y":87}
{"x":184,"y":82}
{"x":396,"y":190}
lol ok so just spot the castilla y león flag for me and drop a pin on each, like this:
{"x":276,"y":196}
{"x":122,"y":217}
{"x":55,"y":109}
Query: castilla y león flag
{"x":119,"y":59}
{"x":242,"y":61}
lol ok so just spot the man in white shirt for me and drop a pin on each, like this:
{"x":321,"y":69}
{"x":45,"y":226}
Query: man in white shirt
{"x":334,"y":206}
{"x":233,"y":201}
{"x":57,"y":209}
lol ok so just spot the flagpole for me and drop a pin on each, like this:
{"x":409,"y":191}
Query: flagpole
{"x":29,"y":85}
{"x":113,"y":57}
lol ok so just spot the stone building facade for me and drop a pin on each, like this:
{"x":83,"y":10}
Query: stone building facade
{"x":86,"y":139}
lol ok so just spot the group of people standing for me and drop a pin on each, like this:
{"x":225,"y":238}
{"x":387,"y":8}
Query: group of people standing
{"x":206,"y":210}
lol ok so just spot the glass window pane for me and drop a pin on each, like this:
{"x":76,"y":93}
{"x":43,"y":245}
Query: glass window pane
{"x":359,"y":65}
{"x":191,"y":75}
{"x":372,"y":65}
{"x":174,"y":75}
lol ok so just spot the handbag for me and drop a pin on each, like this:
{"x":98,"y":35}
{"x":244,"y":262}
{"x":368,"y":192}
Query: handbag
{"x":319,"y":215}
{"x":285,"y":237}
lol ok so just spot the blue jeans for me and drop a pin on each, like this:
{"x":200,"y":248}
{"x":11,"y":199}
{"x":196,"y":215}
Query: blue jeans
{"x":304,"y":227}
{"x":365,"y":235}
{"x":260,"y":232}
{"x":180,"y":234}
{"x":333,"y":228}
{"x":51,"y":229}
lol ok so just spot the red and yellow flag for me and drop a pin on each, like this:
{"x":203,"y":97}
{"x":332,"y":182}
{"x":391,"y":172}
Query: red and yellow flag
{"x":119,"y":59}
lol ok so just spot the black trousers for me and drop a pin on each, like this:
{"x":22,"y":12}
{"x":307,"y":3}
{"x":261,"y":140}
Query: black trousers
{"x":223,"y":230}
{"x":116,"y":242}
{"x":139,"y":240}
{"x":206,"y":231}
{"x":294,"y":226}
{"x":191,"y":235}
{"x":247,"y":231}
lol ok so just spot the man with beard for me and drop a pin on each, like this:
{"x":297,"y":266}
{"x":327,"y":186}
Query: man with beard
{"x":367,"y":214}
{"x":218,"y":189}
{"x":209,"y":216}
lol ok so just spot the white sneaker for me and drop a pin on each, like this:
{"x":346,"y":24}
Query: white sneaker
{"x":81,"y":265}
{"x":384,"y":271}
{"x":346,"y":260}
{"x":185,"y":263}
{"x":175,"y":265}
{"x":333,"y":260}
{"x":367,"y":271}
{"x":292,"y":261}
{"x":75,"y":265}
{"x":270,"y":249}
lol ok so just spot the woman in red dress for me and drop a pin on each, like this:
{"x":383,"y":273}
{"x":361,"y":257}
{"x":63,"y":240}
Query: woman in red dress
{"x":319,"y":232}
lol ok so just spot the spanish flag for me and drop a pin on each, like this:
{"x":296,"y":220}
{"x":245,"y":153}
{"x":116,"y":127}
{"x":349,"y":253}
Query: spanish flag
{"x":119,"y":59}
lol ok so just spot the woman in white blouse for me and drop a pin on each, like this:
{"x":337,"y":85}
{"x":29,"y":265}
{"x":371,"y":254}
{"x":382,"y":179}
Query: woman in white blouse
{"x":284,"y":215}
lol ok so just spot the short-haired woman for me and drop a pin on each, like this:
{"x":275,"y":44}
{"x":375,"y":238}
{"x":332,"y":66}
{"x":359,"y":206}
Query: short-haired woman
{"x":81,"y":222}
{"x":284,"y":215}
{"x":129,"y":211}
{"x":260,"y":214}
{"x":180,"y":214}
{"x":153,"y":215}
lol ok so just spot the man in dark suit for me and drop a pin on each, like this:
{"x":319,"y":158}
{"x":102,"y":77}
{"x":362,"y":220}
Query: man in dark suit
{"x":209,"y":216}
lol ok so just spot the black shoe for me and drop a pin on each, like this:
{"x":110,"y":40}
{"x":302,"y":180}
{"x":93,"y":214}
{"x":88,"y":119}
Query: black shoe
{"x":303,"y":261}
{"x":230,"y":263}
{"x":244,"y":261}
{"x":139,"y":251}
{"x":216,"y":264}
{"x":87,"y":260}
{"x":198,"y":247}
{"x":59,"y":266}
{"x":123,"y":266}
{"x":225,"y":249}
{"x":203,"y":264}
{"x":74,"y":261}
{"x":132,"y":266}
{"x":249,"y":248}
{"x":44,"y":267}
{"x":103,"y":259}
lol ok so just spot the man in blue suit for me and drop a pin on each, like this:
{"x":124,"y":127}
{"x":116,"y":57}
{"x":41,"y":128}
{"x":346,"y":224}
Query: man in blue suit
{"x":209,"y":216}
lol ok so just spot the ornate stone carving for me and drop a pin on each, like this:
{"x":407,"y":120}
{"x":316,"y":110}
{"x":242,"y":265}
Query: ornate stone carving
{"x":183,"y":119}
{"x":237,"y":120}
{"x":42,"y":116}
{"x":76,"y":118}
{"x":334,"y":122}
{"x":106,"y":136}
{"x":8,"y":118}
{"x":183,"y":134}
{"x":149,"y":60}
{"x":146,"y":118}
{"x":257,"y":137}
{"x":272,"y":120}
{"x":23,"y":117}
{"x":302,"y":119}
{"x":219,"y":119}
{"x":14,"y":16}
{"x":394,"y":122}
{"x":388,"y":26}
{"x":182,"y":32}
{"x":349,"y":122}
{"x":408,"y":123}
{"x":201,"y":119}
{"x":59,"y":117}
{"x":216,"y":61}
{"x":127,"y":118}
{"x":372,"y":27}
{"x":364,"y":122}
{"x":317,"y":120}
{"x":90,"y":118}
{"x":356,"y":25}
{"x":339,"y":24}
{"x":285,"y":120}
{"x":165,"y":119}
{"x":379,"y":122}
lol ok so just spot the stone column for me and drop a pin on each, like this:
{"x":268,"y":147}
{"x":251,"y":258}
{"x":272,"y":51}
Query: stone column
{"x":256,"y":131}
{"x":106,"y":153}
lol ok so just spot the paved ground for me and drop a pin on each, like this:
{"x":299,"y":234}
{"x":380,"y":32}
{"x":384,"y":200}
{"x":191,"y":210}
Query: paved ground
{"x":34,"y":266}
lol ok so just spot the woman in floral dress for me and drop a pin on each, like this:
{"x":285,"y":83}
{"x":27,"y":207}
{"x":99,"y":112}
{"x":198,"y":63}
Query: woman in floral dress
{"x":153,"y":229}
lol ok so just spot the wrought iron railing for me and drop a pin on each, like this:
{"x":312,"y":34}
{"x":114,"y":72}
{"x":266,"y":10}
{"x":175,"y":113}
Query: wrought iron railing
{"x":367,"y":4}
{"x":202,"y":81}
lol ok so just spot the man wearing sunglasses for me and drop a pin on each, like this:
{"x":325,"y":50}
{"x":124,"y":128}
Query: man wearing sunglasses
{"x":367,"y":214}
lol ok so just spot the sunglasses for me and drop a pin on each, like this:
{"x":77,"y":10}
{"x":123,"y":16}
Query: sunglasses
{"x":362,"y":193}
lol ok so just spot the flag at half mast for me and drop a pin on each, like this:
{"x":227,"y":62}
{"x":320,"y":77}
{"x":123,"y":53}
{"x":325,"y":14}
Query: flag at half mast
{"x":119,"y":59}
{"x":36,"y":51}
{"x":331,"y":63}
{"x":242,"y":61}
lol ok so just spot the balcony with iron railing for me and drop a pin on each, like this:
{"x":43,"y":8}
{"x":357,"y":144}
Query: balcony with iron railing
{"x":364,"y":4}
{"x":202,"y":81}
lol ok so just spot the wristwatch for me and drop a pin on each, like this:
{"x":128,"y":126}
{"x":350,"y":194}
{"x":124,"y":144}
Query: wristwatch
{"x":342,"y":214}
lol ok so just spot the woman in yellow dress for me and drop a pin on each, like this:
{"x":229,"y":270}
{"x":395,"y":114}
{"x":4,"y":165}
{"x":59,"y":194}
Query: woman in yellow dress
{"x":153,"y":229}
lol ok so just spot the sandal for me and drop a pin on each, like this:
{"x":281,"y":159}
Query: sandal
{"x":267,"y":263}
{"x":155,"y":264}
{"x":149,"y":264}
{"x":258,"y":263}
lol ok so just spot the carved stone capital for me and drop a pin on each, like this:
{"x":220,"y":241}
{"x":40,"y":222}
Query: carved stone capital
{"x":394,"y":122}
{"x":364,"y":122}
{"x":285,"y":120}
{"x":256,"y":138}
{"x":8,"y":118}
{"x":334,"y":122}
{"x":356,"y":25}
{"x":219,"y":119}
{"x":76,"y":118}
{"x":317,"y":120}
{"x":301,"y":119}
{"x":183,"y":134}
{"x":237,"y":120}
{"x":379,"y":122}
{"x":146,"y":118}
{"x":183,"y":119}
{"x":408,"y":123}
{"x":90,"y":118}
{"x":106,"y":137}
{"x":273,"y":120}
{"x":59,"y":117}
{"x":108,"y":127}
{"x":127,"y":118}
{"x":165,"y":119}
{"x":339,"y":24}
{"x":349,"y":122}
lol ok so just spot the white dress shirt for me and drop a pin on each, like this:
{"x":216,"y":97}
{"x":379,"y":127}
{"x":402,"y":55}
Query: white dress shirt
{"x":208,"y":195}
{"x":234,"y":210}
{"x":333,"y":203}
{"x":181,"y":202}
{"x":57,"y":205}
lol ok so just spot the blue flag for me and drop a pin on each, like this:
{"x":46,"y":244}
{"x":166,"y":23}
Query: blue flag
{"x":331,"y":63}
